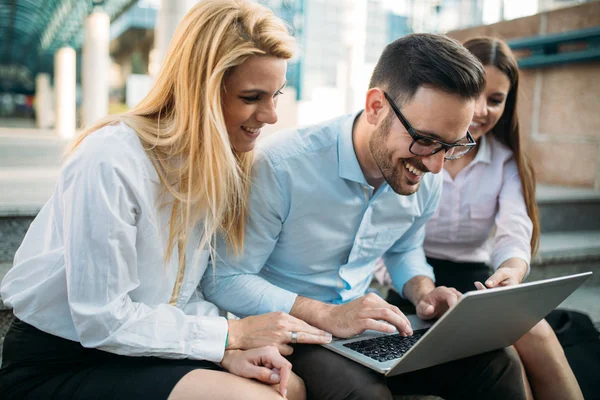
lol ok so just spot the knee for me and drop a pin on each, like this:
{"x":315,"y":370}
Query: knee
{"x":542,"y":332}
{"x":540,"y":336}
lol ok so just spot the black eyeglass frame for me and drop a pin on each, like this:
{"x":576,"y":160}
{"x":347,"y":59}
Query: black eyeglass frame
{"x":415,"y":136}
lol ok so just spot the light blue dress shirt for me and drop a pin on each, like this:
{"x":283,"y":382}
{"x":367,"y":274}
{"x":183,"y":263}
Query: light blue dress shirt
{"x":315,"y":227}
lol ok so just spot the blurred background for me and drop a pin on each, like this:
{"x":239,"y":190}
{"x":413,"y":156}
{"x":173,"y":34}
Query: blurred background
{"x":66,"y":63}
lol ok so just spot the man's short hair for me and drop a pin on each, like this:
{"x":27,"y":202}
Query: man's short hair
{"x":428,"y":60}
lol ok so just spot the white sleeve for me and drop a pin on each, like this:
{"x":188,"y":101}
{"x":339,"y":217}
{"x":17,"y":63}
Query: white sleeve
{"x":100,"y":233}
{"x":513,"y":225}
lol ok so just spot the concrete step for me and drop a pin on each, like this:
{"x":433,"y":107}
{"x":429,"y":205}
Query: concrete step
{"x":569,"y":246}
{"x":564,"y":209}
{"x":30,"y":150}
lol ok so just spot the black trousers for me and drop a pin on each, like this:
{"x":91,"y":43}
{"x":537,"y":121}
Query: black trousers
{"x":489,"y":376}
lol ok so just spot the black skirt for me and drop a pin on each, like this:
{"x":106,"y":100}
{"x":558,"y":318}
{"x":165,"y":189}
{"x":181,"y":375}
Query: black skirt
{"x":37,"y":365}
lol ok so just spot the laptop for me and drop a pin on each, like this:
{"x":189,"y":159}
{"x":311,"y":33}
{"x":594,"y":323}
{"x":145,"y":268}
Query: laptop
{"x":481,"y":321}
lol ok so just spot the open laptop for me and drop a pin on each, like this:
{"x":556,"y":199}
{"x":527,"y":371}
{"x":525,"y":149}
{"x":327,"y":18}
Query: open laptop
{"x":481,"y":321}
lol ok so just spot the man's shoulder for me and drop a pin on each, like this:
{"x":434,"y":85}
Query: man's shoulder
{"x":304,"y":141}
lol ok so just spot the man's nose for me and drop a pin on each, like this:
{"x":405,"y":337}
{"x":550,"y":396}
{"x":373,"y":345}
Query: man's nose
{"x":435,"y":163}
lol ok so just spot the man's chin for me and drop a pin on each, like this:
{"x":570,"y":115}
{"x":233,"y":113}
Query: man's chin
{"x":405,"y":189}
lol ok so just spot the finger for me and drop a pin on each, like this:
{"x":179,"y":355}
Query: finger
{"x":262,"y":374}
{"x":449,"y":300}
{"x":284,"y":374}
{"x":284,"y":349}
{"x":479,"y":285}
{"x":496,"y":278}
{"x":298,"y":325}
{"x":284,"y":368}
{"x":386,"y":314}
{"x":425,"y":310}
{"x":379,"y":326}
{"x":309,"y":338}
{"x":400,"y":313}
{"x":457,"y":293}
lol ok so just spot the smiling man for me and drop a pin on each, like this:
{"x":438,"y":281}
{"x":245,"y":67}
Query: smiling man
{"x":327,"y":201}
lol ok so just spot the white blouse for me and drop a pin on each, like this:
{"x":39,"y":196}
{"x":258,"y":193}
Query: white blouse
{"x":485,"y":194}
{"x":91,"y":267}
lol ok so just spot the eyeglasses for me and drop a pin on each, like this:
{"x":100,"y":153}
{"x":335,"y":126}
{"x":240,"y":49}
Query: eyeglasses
{"x":425,"y":146}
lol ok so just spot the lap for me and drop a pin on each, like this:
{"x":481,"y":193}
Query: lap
{"x":37,"y":365}
{"x":328,"y":375}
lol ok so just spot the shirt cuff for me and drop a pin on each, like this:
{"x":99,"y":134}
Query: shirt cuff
{"x":207,"y":336}
{"x":400,"y":278}
{"x":276,"y":299}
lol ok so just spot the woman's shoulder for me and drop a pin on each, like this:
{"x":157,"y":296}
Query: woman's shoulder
{"x":116,"y":139}
{"x":115,"y":147}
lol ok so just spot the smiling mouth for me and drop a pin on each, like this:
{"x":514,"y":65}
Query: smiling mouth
{"x":251,"y":130}
{"x":412,"y":169}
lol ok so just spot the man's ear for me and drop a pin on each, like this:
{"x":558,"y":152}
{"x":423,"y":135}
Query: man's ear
{"x":375,"y":110}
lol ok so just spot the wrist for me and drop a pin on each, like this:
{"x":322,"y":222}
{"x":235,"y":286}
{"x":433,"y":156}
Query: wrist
{"x":314,"y":312}
{"x":417,"y":287}
{"x":228,"y":358}
{"x":233,"y":338}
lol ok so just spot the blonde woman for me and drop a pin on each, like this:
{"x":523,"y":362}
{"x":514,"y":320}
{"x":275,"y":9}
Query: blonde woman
{"x":105,"y":284}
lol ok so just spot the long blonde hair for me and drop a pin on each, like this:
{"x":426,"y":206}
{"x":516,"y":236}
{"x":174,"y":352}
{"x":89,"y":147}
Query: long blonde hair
{"x":181,"y":125}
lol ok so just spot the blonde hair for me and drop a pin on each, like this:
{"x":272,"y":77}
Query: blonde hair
{"x":180,"y":122}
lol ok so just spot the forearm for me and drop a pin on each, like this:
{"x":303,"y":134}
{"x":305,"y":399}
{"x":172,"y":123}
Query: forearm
{"x":417,"y":287}
{"x":254,"y":295}
{"x":314,"y":312}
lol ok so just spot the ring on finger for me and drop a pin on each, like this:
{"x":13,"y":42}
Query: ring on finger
{"x":294,"y":337}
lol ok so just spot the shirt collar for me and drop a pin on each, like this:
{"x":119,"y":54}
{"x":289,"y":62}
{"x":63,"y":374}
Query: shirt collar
{"x":348,"y":165}
{"x":484,"y":154}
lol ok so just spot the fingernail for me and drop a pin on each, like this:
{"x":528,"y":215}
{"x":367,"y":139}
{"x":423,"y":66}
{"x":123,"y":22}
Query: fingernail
{"x":285,"y":393}
{"x":274,"y":378}
{"x":489,"y":282}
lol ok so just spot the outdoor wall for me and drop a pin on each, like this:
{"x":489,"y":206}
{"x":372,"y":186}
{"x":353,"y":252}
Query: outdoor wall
{"x":559,"y":105}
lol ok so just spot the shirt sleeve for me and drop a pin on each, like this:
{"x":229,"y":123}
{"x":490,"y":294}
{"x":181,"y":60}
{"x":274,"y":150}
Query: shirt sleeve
{"x":406,"y":258}
{"x":267,"y":210}
{"x":100,"y":212}
{"x":513,"y":225}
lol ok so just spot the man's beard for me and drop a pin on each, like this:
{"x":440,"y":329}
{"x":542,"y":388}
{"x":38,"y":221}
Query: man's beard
{"x":395,"y":177}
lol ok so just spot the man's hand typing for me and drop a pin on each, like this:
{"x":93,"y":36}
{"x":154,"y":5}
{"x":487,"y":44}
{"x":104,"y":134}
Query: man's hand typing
{"x":350,"y":319}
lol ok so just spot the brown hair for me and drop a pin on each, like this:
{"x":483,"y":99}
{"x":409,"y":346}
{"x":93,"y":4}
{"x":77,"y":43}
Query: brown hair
{"x":424,"y":59}
{"x":493,"y":51}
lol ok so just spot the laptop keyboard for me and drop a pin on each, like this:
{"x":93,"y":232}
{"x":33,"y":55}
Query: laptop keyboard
{"x":385,"y":348}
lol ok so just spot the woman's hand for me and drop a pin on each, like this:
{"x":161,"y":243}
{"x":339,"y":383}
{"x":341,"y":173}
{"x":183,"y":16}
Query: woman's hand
{"x":273,"y":329}
{"x":264,"y":364}
{"x":510,"y":272}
